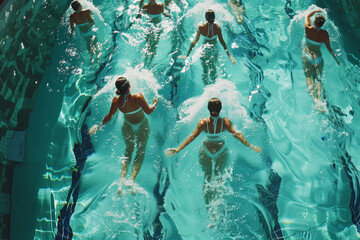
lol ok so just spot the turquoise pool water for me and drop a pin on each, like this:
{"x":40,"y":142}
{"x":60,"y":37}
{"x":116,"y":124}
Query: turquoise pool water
{"x":303,"y":186}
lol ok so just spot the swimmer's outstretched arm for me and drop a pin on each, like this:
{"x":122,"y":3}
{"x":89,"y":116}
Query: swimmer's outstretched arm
{"x":166,"y":14}
{"x":72,"y":24}
{"x":197,"y":37}
{"x":221,"y":39}
{"x":107,"y":118}
{"x":145,"y":106}
{"x":141,"y":4}
{"x":308,"y":22}
{"x":327,"y":44}
{"x":90,"y":19}
{"x":113,"y":108}
{"x":237,"y":134}
{"x":199,"y":128}
{"x":140,"y":7}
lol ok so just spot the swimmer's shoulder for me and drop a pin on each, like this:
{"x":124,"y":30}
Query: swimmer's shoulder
{"x":217,"y":28}
{"x":227,"y":122}
{"x":203,"y":121}
{"x":201,"y":27}
{"x":116,"y":101}
{"x":138,"y":97}
{"x":87,"y":12}
{"x":73,"y":15}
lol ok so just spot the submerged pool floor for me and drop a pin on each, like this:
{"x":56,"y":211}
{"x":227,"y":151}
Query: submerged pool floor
{"x":303,"y":185}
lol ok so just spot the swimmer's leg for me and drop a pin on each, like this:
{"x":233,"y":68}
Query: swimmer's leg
{"x":212,"y":68}
{"x":310,"y":74}
{"x":152,"y":40}
{"x":129,"y":135}
{"x":149,"y":54}
{"x":318,"y":86}
{"x":213,"y":57}
{"x":220,"y":164}
{"x":141,"y":141}
{"x":205,"y":75}
{"x":92,"y":45}
{"x":89,"y":44}
{"x":206,"y":165}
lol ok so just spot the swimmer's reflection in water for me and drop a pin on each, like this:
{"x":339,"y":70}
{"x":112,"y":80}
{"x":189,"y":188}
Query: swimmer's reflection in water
{"x":214,"y":149}
{"x":82,"y":18}
{"x":209,"y":59}
{"x":135,"y":129}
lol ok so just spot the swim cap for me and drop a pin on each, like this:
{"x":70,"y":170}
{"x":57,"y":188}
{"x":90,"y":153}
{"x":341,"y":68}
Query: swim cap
{"x":210,"y":16}
{"x":214,"y":106}
{"x":75,"y":5}
{"x":122,"y":85}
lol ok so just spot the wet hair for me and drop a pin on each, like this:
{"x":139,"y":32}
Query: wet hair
{"x":210,"y":16}
{"x":214,"y":106}
{"x":75,"y":5}
{"x":320,"y":20}
{"x":122,"y":85}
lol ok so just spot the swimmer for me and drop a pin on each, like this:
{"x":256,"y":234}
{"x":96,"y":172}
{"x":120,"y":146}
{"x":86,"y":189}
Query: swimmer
{"x":154,"y":10}
{"x":214,"y":148}
{"x":313,"y":62}
{"x":135,"y":129}
{"x":82,"y":18}
{"x":210,"y":31}
{"x":237,"y":8}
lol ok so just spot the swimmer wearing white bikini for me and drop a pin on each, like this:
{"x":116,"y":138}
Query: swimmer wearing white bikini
{"x":313,"y":62}
{"x":135,"y":129}
{"x":238,"y":10}
{"x":82,"y":18}
{"x":152,"y":33}
{"x":153,"y":9}
{"x":210,"y":31}
{"x":214,"y":146}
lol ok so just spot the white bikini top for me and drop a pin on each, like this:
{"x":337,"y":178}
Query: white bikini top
{"x":155,"y":15}
{"x":313,"y":42}
{"x":211,"y":26}
{"x":126,"y":98}
{"x":214,"y":136}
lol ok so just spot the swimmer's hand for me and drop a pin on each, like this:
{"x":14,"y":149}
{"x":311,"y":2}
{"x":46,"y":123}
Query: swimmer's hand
{"x":256,"y":148}
{"x":182,"y":57}
{"x":171,"y":152}
{"x":94,"y":129}
{"x":155,"y":101}
{"x":166,"y":14}
{"x":232,"y":59}
{"x":240,"y":19}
